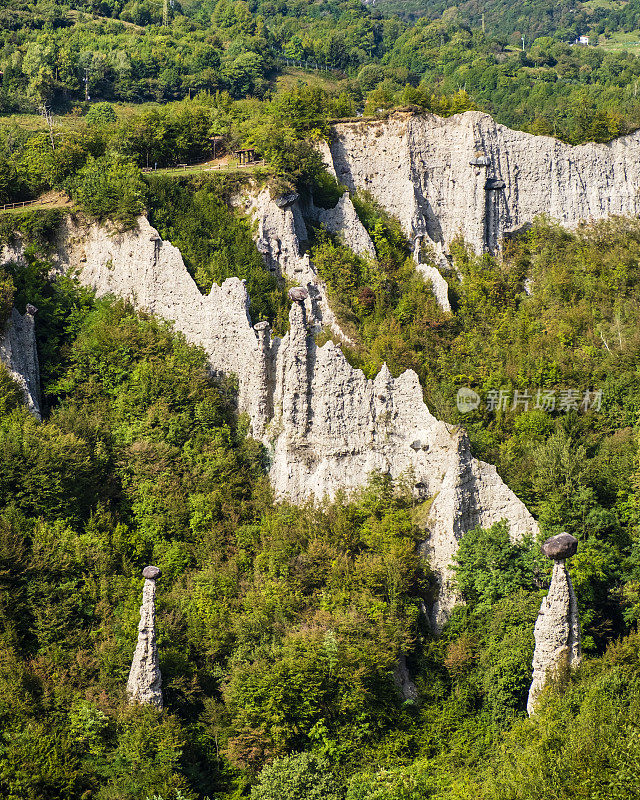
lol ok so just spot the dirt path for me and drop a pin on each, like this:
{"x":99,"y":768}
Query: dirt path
{"x":48,"y":200}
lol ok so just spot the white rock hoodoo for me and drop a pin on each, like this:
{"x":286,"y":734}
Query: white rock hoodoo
{"x":557,"y":629}
{"x":19,"y":354}
{"x":145,"y":681}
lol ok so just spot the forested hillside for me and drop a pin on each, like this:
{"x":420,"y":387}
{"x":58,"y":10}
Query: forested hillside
{"x":68,"y":58}
{"x":506,"y":18}
{"x":284,"y":630}
{"x":510,"y":20}
{"x":280,"y":626}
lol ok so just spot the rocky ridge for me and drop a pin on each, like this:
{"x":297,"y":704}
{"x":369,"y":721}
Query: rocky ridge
{"x":469,"y":176}
{"x":325,"y":425}
{"x":139,"y":266}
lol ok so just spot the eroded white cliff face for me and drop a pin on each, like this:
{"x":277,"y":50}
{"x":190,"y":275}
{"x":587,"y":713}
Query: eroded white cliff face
{"x":280,"y":232}
{"x":12,"y":252}
{"x":439,"y":286}
{"x":281,"y":237}
{"x":469,"y":176}
{"x":19,"y":355}
{"x":139,"y":266}
{"x":325,"y":425}
{"x":332,"y":428}
{"x":343,"y":221}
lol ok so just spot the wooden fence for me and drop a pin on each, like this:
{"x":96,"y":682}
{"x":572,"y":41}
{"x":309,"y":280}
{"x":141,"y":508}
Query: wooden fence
{"x":303,"y":63}
{"x":203,"y":167}
{"x":25,"y":204}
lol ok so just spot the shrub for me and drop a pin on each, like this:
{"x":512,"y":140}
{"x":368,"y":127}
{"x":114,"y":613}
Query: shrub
{"x":10,"y":394}
{"x":101,"y":114}
{"x":6,"y":298}
{"x":301,"y":776}
{"x":109,"y":187}
{"x":403,"y":783}
{"x":489,"y":566}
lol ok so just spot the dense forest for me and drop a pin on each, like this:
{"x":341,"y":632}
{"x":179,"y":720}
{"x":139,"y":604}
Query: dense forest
{"x":280,"y":627}
{"x":506,"y":19}
{"x":510,"y":21}
{"x":69,"y":57}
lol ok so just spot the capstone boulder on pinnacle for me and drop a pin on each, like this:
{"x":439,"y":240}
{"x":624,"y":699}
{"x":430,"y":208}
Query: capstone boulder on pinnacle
{"x":560,"y":547}
{"x":151,"y":573}
{"x":298,"y":294}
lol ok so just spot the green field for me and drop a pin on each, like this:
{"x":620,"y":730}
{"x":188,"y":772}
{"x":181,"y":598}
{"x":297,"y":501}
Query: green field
{"x":593,"y":5}
{"x":620,"y":42}
{"x":290,"y":77}
{"x":71,"y":121}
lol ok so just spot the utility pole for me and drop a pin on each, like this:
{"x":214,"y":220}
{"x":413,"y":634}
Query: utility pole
{"x":523,"y":44}
{"x":48,"y":118}
{"x":165,"y":13}
{"x":86,"y":85}
{"x":483,"y":28}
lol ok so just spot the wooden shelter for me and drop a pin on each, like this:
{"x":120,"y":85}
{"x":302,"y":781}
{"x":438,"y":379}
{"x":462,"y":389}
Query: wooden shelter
{"x":246,"y":156}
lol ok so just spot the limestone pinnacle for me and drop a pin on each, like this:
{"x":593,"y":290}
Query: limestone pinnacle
{"x":557,"y":629}
{"x":145,"y":680}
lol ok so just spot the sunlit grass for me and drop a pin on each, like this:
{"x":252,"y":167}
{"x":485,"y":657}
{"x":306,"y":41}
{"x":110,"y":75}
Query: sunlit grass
{"x":620,"y":41}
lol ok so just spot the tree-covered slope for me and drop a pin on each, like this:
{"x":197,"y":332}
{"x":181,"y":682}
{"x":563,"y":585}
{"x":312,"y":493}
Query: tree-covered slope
{"x":280,"y":628}
{"x":508,"y":19}
{"x":65,"y":54}
{"x":70,"y":57}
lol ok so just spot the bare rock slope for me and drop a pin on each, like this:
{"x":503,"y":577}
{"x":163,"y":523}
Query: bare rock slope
{"x":467,"y":175}
{"x":325,"y":425}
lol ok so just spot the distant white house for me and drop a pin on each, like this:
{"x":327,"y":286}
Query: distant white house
{"x":582,"y":40}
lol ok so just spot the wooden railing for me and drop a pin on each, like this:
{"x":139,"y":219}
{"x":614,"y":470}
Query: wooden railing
{"x":25,"y":204}
{"x":203,"y":167}
{"x":304,"y":63}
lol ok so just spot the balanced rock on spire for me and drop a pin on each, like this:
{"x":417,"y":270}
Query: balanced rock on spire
{"x":557,"y":629}
{"x":145,"y":680}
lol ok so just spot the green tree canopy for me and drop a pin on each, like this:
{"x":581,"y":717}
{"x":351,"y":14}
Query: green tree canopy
{"x":109,"y":187}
